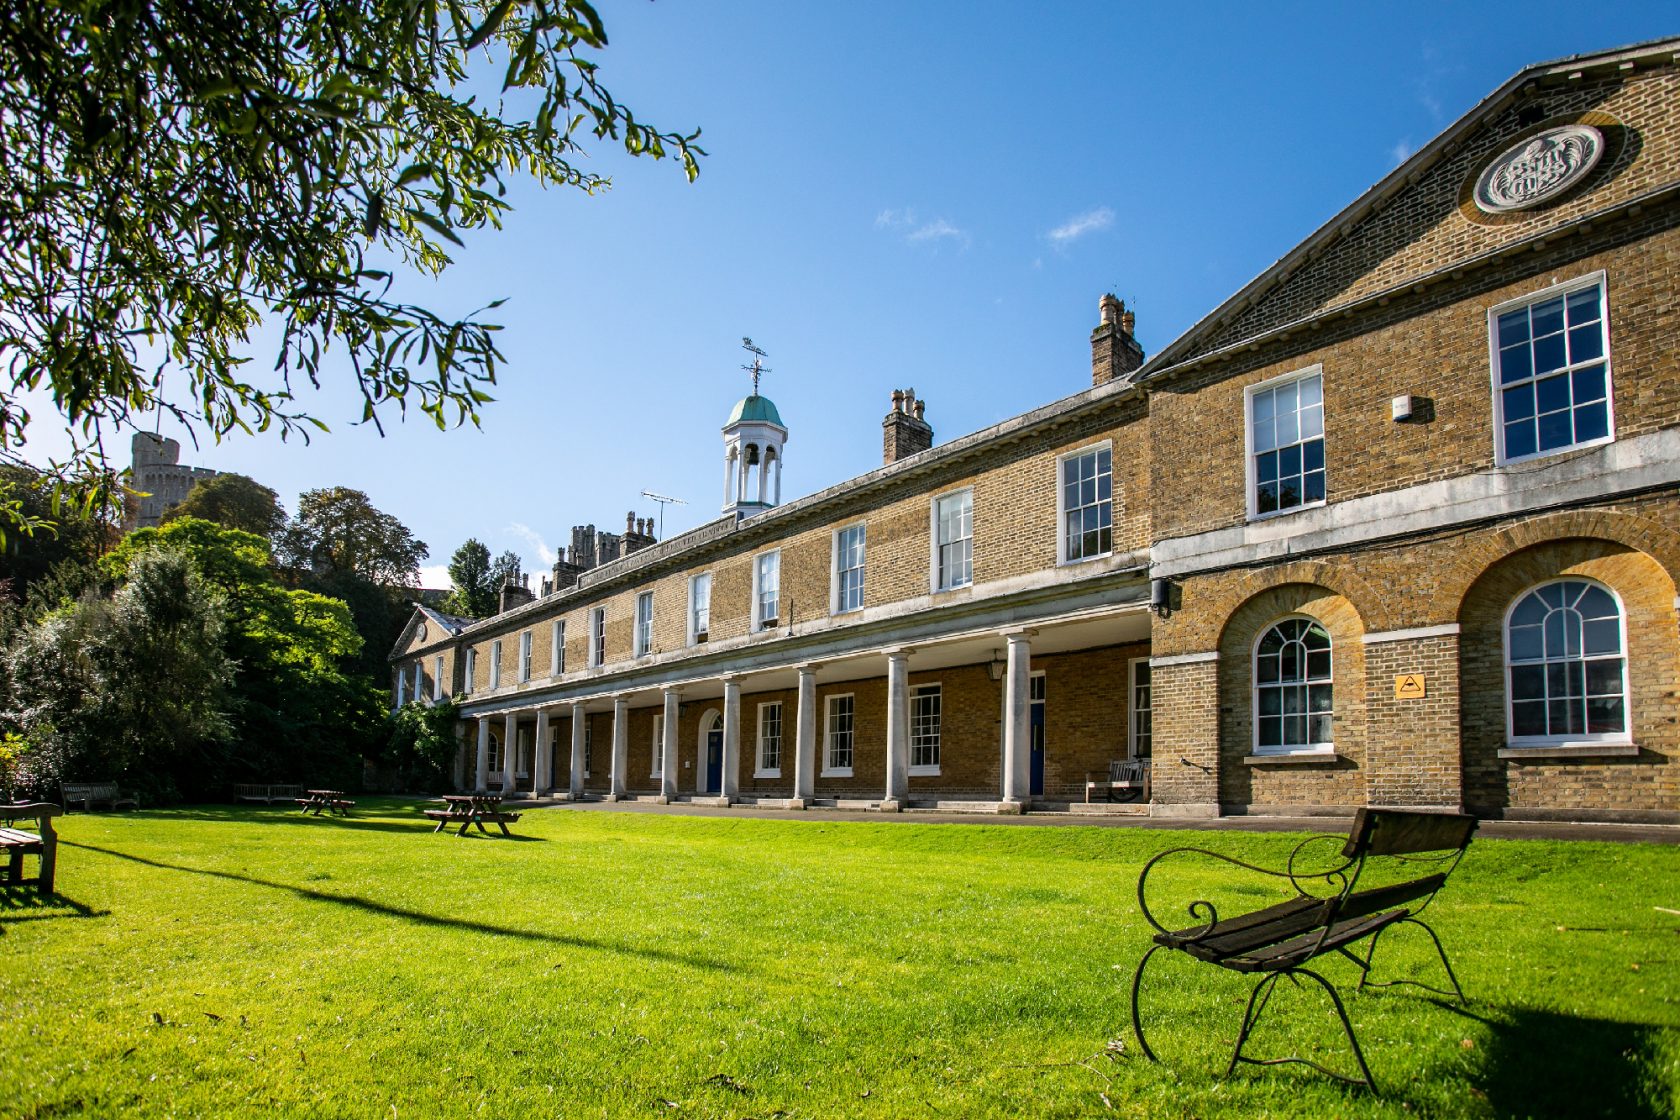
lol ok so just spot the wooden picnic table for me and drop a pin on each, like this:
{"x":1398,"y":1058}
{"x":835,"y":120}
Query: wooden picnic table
{"x":468,"y":809}
{"x":319,"y":801}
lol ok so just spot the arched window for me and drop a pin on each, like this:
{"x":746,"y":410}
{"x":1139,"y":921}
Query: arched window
{"x":1292,"y":697}
{"x":1565,"y":665}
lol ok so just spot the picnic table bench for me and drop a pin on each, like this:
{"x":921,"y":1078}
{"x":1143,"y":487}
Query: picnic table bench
{"x":89,"y":794}
{"x":319,"y":801}
{"x":1330,"y":913}
{"x":17,"y":843}
{"x":470,"y":809}
{"x":1124,"y":775}
{"x":267,"y":792}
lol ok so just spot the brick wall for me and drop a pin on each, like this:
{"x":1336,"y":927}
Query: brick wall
{"x":1412,"y":747}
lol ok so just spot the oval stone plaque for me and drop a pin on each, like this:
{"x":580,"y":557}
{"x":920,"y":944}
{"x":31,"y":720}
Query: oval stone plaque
{"x":1539,"y":168}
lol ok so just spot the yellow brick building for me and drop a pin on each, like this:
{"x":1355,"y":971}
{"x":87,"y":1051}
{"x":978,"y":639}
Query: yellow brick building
{"x":1395,"y":524}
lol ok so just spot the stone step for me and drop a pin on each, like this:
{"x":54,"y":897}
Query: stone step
{"x":958,"y":806}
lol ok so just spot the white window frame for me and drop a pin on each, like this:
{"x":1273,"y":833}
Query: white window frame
{"x":472,"y":672}
{"x":1328,"y":748}
{"x":1250,"y":481}
{"x":760,"y":770}
{"x":402,"y":688}
{"x":437,"y":680}
{"x":493,"y":752}
{"x":836,"y":604}
{"x":1133,"y":711}
{"x":917,"y":692}
{"x":1586,"y":739}
{"x":557,"y":647}
{"x":1062,"y":538}
{"x":696,"y":633}
{"x":828,"y":769}
{"x":1599,"y":279}
{"x":658,"y":765}
{"x":597,"y":637}
{"x":761,"y":620}
{"x":495,"y":664}
{"x":524,"y":656}
{"x":419,"y":678}
{"x":936,"y":574}
{"x":644,"y":624}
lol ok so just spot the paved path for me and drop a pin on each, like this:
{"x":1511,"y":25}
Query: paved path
{"x":1489,"y":830}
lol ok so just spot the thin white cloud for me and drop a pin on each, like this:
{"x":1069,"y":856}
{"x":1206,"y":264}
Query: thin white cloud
{"x":1081,"y":225}
{"x":914,"y":231}
{"x":1402,"y":151}
{"x":938,"y":230}
{"x":533,"y":538}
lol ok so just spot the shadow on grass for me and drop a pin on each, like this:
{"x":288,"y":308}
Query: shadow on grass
{"x":257,"y":815}
{"x":27,"y":904}
{"x":1546,"y":1063}
{"x":421,"y":918}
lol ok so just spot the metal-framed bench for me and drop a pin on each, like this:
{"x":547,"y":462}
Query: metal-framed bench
{"x":89,"y":794}
{"x":1125,"y":775}
{"x":16,"y":844}
{"x":1282,"y":940}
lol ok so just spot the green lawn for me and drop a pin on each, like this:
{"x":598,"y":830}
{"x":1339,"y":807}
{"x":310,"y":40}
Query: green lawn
{"x":219,"y":962}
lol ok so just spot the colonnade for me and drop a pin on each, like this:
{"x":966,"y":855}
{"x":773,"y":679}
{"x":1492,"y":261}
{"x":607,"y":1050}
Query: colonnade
{"x":1016,"y":736}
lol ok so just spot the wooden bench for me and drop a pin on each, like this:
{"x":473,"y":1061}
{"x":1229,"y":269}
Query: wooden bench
{"x":17,"y":843}
{"x":268,"y":793}
{"x":1123,"y":775}
{"x":89,"y":794}
{"x":469,"y":810}
{"x":1329,"y":913}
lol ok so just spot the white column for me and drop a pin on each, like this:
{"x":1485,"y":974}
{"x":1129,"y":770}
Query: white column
{"x":580,"y":725}
{"x":620,"y":745}
{"x":777,"y":498}
{"x":728,"y":477}
{"x":805,"y":737}
{"x":731,"y":739}
{"x":542,"y":756}
{"x":510,"y":753}
{"x":481,"y":775}
{"x":668,"y":748}
{"x":1017,"y":724}
{"x":764,"y":477}
{"x":741,"y":477}
{"x":898,"y":729}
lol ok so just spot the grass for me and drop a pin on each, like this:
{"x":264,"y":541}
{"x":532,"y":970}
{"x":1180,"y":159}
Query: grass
{"x":234,"y":962}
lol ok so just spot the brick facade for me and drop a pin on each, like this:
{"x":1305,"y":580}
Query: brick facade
{"x":1423,"y":543}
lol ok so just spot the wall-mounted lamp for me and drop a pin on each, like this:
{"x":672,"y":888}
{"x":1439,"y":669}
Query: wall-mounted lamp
{"x":996,"y":666}
{"x":1164,"y":597}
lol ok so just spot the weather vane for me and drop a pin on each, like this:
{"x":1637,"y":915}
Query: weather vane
{"x":758,"y":368}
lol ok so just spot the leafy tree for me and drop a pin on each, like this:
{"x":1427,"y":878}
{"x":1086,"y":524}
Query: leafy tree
{"x":420,"y":747}
{"x":339,"y":530}
{"x":477,"y":579}
{"x":302,"y":709}
{"x":235,"y":501}
{"x":63,"y":537}
{"x":135,"y":686}
{"x":173,"y":174}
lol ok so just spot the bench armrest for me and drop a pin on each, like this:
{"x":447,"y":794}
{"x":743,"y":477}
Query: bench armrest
{"x":1337,"y":878}
{"x":40,"y":810}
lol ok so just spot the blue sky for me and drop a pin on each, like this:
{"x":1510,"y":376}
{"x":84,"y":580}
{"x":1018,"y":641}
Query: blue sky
{"x":898,"y":194}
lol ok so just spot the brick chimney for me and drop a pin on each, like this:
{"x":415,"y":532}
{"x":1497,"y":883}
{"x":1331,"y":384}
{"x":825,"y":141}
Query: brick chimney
{"x":638,"y":532}
{"x":904,"y":432}
{"x":1114,"y":352}
{"x":516,"y":591}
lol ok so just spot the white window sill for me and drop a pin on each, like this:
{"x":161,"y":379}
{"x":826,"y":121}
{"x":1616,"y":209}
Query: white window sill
{"x":776,"y":773}
{"x":1082,"y":560}
{"x":1570,"y":750}
{"x":924,"y":771}
{"x":1297,"y":758}
{"x":953,"y":587}
{"x":1320,"y":504}
{"x":841,"y":773}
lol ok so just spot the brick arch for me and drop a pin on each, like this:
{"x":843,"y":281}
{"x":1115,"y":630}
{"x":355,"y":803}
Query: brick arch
{"x":1483,"y":553}
{"x":1360,"y":597}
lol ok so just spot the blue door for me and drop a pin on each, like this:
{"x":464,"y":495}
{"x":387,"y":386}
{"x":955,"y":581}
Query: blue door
{"x":714,"y":761}
{"x":1036,"y":734}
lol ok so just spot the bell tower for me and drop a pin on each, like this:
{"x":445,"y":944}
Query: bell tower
{"x":753,"y":438}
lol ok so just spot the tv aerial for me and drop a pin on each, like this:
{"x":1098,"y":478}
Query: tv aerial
{"x":663,"y":500}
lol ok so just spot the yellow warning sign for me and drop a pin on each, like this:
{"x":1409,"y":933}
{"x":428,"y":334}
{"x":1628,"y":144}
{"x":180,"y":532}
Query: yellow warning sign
{"x":1408,"y":686}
